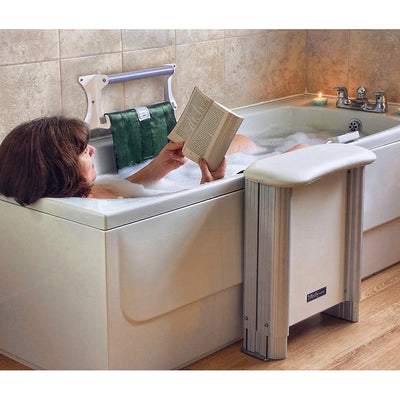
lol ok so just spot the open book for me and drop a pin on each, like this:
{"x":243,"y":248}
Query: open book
{"x":207,"y":128}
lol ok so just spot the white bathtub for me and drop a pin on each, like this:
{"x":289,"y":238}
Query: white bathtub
{"x":156,"y":282}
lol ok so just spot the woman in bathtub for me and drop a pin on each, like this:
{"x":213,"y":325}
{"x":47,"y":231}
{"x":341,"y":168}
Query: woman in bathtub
{"x":51,"y":157}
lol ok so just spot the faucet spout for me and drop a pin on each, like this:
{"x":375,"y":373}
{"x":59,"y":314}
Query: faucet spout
{"x":342,"y":101}
{"x":342,"y":92}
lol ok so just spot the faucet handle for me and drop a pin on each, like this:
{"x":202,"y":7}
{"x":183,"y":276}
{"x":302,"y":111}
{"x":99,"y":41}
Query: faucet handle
{"x":379,"y":94}
{"x":342,"y":92}
{"x":381,"y":99}
{"x":361,"y":92}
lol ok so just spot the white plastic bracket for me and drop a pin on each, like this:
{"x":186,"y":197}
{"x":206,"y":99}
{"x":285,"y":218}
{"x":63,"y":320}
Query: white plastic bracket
{"x":93,"y":86}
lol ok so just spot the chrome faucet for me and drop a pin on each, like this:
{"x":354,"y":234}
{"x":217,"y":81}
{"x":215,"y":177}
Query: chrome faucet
{"x":361,"y":103}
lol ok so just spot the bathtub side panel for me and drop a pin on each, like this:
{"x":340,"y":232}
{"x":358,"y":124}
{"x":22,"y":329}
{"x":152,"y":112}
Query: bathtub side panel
{"x":382,"y":187}
{"x":173,"y":259}
{"x":380,"y":247}
{"x":52,"y":291}
{"x":175,"y":285}
{"x":382,"y":210}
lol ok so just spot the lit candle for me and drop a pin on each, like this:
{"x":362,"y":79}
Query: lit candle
{"x":320,"y":101}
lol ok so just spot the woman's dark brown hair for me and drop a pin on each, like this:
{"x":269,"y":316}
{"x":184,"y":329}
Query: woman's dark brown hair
{"x":40,"y":158}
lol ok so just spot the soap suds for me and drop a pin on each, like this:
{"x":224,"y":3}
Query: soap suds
{"x":189,"y":175}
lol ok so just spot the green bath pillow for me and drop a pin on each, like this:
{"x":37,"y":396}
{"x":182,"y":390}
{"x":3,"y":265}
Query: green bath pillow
{"x":140,"y":134}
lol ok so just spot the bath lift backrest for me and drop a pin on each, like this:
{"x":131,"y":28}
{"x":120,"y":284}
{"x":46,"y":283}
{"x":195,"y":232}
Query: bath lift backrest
{"x":94,"y":84}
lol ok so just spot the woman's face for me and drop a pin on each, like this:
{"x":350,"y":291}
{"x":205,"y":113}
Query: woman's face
{"x":87,"y":165}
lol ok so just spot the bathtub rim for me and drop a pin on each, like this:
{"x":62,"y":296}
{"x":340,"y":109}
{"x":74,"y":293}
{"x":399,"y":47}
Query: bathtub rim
{"x":105,"y":214}
{"x":305,"y":101}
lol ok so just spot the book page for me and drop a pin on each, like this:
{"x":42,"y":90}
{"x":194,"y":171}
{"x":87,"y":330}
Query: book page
{"x":208,"y":127}
{"x":192,"y":115}
{"x":217,"y":150}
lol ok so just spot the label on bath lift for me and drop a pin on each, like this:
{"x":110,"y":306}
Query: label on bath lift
{"x":143,"y":113}
{"x":314,"y":295}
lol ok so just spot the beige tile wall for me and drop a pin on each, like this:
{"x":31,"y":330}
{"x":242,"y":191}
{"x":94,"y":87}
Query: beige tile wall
{"x":39,"y":69}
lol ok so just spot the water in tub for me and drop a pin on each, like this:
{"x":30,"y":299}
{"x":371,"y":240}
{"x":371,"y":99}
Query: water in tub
{"x":189,"y":174}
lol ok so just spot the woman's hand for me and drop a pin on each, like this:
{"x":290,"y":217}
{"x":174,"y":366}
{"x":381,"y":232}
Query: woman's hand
{"x":207,"y":175}
{"x":169,"y":158}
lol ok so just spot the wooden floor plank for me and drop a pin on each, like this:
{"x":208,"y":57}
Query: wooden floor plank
{"x":11,"y":365}
{"x":378,"y":354}
{"x":323,"y":342}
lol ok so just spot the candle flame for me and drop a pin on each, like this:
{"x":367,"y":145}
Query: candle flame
{"x":320,"y":94}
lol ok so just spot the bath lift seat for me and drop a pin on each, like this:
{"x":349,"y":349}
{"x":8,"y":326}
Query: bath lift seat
{"x":303,"y":233}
